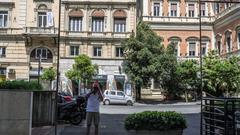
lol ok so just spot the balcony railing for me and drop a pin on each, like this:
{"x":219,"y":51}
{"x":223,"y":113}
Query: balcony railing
{"x":166,"y":19}
{"x":99,"y":34}
{"x":41,"y":30}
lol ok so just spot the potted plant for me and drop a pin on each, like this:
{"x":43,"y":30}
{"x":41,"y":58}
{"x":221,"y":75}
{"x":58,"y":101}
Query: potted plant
{"x":155,"y":123}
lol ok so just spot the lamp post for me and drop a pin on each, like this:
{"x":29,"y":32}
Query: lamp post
{"x":58,"y":56}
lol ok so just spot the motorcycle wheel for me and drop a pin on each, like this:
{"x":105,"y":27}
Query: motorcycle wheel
{"x":77,"y":120}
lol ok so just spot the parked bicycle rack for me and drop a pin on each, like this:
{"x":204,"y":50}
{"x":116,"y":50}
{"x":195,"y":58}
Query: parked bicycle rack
{"x":220,"y":116}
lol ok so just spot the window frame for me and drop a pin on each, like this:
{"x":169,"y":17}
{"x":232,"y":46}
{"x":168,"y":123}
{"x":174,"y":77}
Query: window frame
{"x":75,"y":24}
{"x":98,"y":26}
{"x":41,"y":25}
{"x":238,"y":39}
{"x":98,"y":50}
{"x":4,"y":15}
{"x":2,"y":52}
{"x":228,"y":43}
{"x":153,"y":8}
{"x":195,"y":50}
{"x":119,"y":52}
{"x":119,"y":27}
{"x":193,"y":13}
{"x":76,"y":51}
{"x":170,"y":10}
{"x":41,"y":50}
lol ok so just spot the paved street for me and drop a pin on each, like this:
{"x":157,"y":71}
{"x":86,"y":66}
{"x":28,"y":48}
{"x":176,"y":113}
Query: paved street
{"x":112,"y":118}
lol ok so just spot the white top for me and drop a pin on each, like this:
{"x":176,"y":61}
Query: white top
{"x":93,"y":103}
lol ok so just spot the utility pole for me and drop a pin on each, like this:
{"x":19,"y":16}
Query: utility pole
{"x":39,"y":67}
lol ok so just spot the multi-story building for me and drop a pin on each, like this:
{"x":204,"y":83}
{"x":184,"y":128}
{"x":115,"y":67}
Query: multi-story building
{"x":29,"y":28}
{"x":177,"y":21}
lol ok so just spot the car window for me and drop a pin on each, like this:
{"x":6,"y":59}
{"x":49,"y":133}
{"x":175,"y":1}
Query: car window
{"x":106,"y":93}
{"x":112,"y":93}
{"x":120,"y":94}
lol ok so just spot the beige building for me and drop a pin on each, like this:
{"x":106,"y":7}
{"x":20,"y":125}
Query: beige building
{"x":29,"y":28}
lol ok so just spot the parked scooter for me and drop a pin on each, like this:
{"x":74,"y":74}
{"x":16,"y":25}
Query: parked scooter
{"x":69,"y":111}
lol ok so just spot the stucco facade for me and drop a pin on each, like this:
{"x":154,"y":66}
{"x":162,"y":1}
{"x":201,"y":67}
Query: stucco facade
{"x":96,"y":28}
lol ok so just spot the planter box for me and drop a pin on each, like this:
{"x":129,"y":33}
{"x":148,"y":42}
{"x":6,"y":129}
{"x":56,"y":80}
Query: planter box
{"x":155,"y":132}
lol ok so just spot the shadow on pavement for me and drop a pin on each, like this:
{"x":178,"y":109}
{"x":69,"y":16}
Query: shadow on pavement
{"x":113,"y":124}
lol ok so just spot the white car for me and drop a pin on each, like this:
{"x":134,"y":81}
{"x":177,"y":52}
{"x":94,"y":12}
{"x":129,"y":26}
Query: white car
{"x":116,"y":97}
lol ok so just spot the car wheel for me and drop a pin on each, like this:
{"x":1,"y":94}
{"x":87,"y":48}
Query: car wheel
{"x":106,"y":102}
{"x":129,"y":103}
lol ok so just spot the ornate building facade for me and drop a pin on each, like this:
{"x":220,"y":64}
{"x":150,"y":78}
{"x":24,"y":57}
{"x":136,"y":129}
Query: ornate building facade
{"x":29,"y":28}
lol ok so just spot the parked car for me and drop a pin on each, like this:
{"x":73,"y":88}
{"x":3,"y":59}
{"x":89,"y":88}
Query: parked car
{"x":116,"y":97}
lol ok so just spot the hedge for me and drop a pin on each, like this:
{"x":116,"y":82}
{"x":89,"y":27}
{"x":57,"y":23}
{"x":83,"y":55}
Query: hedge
{"x":20,"y":85}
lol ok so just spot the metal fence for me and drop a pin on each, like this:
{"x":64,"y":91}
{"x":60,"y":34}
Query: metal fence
{"x":43,"y":108}
{"x":220,"y":116}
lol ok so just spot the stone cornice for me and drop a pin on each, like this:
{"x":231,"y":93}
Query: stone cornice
{"x":99,"y":3}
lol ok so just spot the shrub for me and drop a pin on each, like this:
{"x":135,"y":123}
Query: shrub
{"x":20,"y":85}
{"x":154,"y":120}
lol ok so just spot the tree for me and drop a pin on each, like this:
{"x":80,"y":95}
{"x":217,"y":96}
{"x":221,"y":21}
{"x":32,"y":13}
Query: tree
{"x":221,"y":76}
{"x":142,"y":54}
{"x":49,"y":74}
{"x":188,"y":80}
{"x":82,"y":69}
{"x":167,"y":71}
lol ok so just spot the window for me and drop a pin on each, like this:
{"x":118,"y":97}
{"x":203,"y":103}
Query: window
{"x":238,"y":39}
{"x":203,"y":9}
{"x":98,"y":24}
{"x":228,"y":40}
{"x":176,"y":50}
{"x":3,"y":71}
{"x":75,"y":23}
{"x":227,"y":5}
{"x":2,"y":52}
{"x":3,"y":18}
{"x":191,"y":10}
{"x":156,"y":9}
{"x":173,"y":9}
{"x":97,"y":51}
{"x":120,"y":25}
{"x":217,"y":8}
{"x":41,"y":51}
{"x":74,"y":50}
{"x":192,"y":48}
{"x":42,"y":19}
{"x":219,"y":47}
{"x":112,"y":93}
{"x":204,"y":48}
{"x":120,"y":94}
{"x":119,"y":52}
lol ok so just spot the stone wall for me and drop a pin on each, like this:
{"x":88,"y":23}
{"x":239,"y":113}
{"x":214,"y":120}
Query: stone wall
{"x":15,"y":113}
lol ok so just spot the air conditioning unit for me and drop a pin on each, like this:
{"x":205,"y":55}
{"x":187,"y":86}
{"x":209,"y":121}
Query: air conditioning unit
{"x":11,"y":71}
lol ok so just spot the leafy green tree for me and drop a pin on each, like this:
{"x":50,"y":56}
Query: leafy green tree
{"x":188,"y":80}
{"x":49,"y":74}
{"x":221,"y":75}
{"x":142,"y":54}
{"x":82,"y":69}
{"x":167,"y":71}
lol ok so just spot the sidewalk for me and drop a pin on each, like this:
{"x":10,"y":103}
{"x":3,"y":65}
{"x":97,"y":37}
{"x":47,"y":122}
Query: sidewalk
{"x":162,"y":103}
{"x":48,"y":130}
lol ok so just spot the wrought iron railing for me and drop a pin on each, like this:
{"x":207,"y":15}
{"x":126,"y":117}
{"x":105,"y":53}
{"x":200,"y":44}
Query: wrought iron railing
{"x":221,"y":116}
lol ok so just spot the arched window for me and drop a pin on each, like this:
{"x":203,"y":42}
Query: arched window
{"x":228,"y":39}
{"x":218,"y":44}
{"x":192,"y":46}
{"x":238,"y":37}
{"x":176,"y":41}
{"x":42,"y":15}
{"x":98,"y":20}
{"x":75,"y":20}
{"x":119,"y":21}
{"x":44,"y":53}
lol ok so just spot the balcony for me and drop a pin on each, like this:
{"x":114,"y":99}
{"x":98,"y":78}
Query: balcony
{"x":103,"y":35}
{"x":41,"y":30}
{"x":164,"y":19}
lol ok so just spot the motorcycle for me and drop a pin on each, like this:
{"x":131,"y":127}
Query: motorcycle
{"x":71,"y":111}
{"x":82,"y":105}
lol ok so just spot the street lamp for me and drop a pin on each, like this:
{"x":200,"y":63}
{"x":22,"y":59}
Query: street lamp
{"x":58,"y":56}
